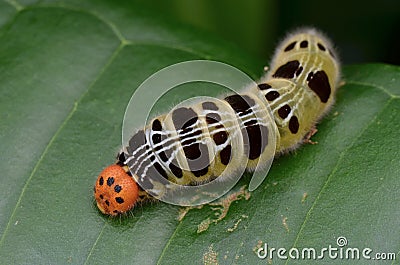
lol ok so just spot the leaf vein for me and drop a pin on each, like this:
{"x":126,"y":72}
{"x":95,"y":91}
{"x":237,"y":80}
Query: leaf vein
{"x":341,"y":157}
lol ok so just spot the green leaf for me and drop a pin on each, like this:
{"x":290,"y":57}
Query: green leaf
{"x":67,"y":71}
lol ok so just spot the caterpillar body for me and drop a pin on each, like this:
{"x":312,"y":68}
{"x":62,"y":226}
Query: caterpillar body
{"x":215,"y":138}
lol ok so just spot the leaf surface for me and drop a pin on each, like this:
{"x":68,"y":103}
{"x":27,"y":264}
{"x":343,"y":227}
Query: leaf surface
{"x":67,"y":71}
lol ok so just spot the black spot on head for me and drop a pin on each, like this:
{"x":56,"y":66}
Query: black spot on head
{"x":220,"y":137}
{"x":319,"y":83}
{"x":212,"y":118}
{"x":290,"y":46}
{"x":156,"y":126}
{"x":101,"y":181}
{"x":184,"y":118}
{"x":209,"y":106}
{"x":110,"y":181}
{"x":321,"y":47}
{"x":264,"y":86}
{"x":101,"y":196}
{"x":294,"y":124}
{"x":117,"y":188}
{"x":284,"y":111}
{"x":304,"y":44}
{"x":175,"y":169}
{"x":272,"y":95}
{"x":287,"y":70}
{"x":331,"y":53}
{"x":119,"y":200}
{"x":225,"y":155}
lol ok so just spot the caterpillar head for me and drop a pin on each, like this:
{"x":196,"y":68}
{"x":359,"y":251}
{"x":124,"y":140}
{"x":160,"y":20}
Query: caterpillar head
{"x":115,"y":190}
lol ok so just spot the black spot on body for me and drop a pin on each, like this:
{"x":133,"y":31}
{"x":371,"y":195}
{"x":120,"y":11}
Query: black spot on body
{"x":197,"y":157}
{"x":152,"y":158}
{"x":287,"y":70}
{"x":209,"y":106}
{"x":225,"y":155}
{"x":240,"y":104}
{"x":156,"y":138}
{"x":117,"y":188}
{"x":156,"y":126}
{"x":250,"y":122}
{"x":304,"y":44}
{"x":101,"y":181}
{"x":145,"y":184}
{"x":107,"y":202}
{"x":309,"y":76}
{"x":220,"y":137}
{"x":154,"y":171}
{"x":184,"y":118}
{"x":200,"y":172}
{"x":290,"y":46}
{"x":175,"y":169}
{"x":121,"y":159}
{"x":190,"y":138}
{"x":136,"y":142}
{"x":101,"y":196}
{"x":284,"y":111}
{"x":321,"y":47}
{"x":264,"y":86}
{"x":319,"y":83}
{"x":299,"y":71}
{"x":255,"y":140}
{"x":272,"y":95}
{"x":110,"y":181}
{"x":160,"y":170}
{"x":119,"y":200}
{"x":294,"y":125}
{"x":163,"y":156}
{"x":212,"y":118}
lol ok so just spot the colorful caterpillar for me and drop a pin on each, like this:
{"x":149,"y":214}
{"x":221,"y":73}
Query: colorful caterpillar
{"x":212,"y":139}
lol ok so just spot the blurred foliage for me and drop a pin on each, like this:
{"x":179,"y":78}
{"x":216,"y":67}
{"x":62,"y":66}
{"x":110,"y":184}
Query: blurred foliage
{"x":364,"y":31}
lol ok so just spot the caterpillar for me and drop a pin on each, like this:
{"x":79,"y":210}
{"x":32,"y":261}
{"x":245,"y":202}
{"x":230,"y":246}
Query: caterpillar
{"x":216,"y":138}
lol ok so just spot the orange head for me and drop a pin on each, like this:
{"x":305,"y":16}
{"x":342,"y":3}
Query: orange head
{"x":115,"y":191}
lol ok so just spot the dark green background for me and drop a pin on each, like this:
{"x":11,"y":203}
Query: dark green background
{"x":363,"y":31}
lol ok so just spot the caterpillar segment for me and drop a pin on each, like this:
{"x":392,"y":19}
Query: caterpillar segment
{"x":214,"y":138}
{"x":201,"y":142}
